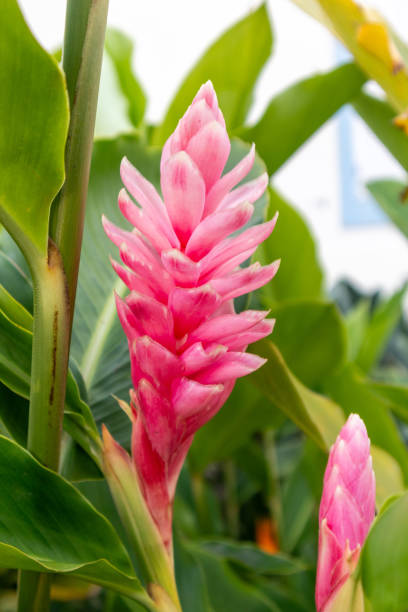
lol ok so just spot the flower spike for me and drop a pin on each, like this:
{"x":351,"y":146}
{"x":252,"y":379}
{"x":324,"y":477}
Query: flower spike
{"x":187,"y":346}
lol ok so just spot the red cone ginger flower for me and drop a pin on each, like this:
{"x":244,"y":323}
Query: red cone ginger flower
{"x":187,"y":345}
{"x":346,"y":512}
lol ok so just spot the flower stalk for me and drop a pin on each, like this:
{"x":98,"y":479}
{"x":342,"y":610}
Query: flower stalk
{"x":55,"y":279}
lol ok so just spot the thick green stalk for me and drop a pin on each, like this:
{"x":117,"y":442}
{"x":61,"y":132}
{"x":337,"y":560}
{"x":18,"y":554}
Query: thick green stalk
{"x":47,"y":391}
{"x":55,"y":280}
{"x":82,"y":59}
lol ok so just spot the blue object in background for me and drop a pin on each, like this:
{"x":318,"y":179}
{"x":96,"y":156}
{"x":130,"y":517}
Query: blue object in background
{"x":357,"y":205}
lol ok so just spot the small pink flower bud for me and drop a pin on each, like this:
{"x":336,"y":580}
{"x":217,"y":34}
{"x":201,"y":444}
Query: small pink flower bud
{"x":347,"y":509}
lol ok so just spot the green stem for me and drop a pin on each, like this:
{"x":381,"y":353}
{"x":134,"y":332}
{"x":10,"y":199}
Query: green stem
{"x":34,"y":592}
{"x":274,"y":496}
{"x":231,"y":498}
{"x":55,"y":280}
{"x":47,"y":391}
{"x":85,"y":27}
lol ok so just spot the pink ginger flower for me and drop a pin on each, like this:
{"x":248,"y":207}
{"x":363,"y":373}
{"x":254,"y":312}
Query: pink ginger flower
{"x":347,"y":509}
{"x":187,"y":345}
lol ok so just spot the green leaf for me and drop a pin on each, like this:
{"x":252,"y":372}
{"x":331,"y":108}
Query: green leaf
{"x":379,"y":329}
{"x":379,"y":116}
{"x":47,"y":525}
{"x":191,"y":583}
{"x":356,"y":323}
{"x":16,"y":311}
{"x":319,"y":417}
{"x":122,"y":102}
{"x":14,"y":273}
{"x":299,"y":111}
{"x":14,"y":414}
{"x":15,"y":373}
{"x":396,"y":396}
{"x":233,"y":63}
{"x":99,"y":345}
{"x":249,"y":556}
{"x":349,"y":389}
{"x":391,"y":196}
{"x":32,"y":135}
{"x":245,"y":412}
{"x":311,"y":337}
{"x":384,"y":559}
{"x":227,"y":592}
{"x":389,"y":478}
{"x":298,"y":277}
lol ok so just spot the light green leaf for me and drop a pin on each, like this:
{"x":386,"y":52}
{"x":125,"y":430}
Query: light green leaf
{"x":356,"y":323}
{"x":389,"y":478}
{"x":350,"y":390}
{"x":379,"y":329}
{"x":121,"y":102}
{"x":15,"y":310}
{"x":319,"y":417}
{"x":379,"y":116}
{"x":299,"y":111}
{"x":47,"y":525}
{"x":391,"y":196}
{"x":233,"y":63}
{"x":33,"y":128}
{"x":298,"y":276}
{"x":384,"y":559}
{"x":311,"y":337}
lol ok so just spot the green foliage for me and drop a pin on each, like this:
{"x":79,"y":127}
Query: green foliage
{"x":46,"y":524}
{"x":233,"y":64}
{"x":122,"y":102}
{"x":299,"y":111}
{"x":311,"y":337}
{"x":315,"y":414}
{"x":390,"y":195}
{"x":384,"y":559}
{"x":378,"y":330}
{"x":379,"y":116}
{"x":300,"y":274}
{"x":32,"y":135}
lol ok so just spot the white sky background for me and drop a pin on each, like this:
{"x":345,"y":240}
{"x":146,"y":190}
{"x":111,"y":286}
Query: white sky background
{"x":170,"y":36}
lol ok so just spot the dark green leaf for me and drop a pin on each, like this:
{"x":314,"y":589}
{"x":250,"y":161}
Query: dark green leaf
{"x":245,"y":412}
{"x":379,"y":329}
{"x":47,"y":525}
{"x":233,"y":63}
{"x":379,"y":117}
{"x":299,"y":111}
{"x":391,"y":196}
{"x":311,"y":337}
{"x":299,"y":276}
{"x":227,"y":592}
{"x":32,"y":135}
{"x":248,"y":555}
